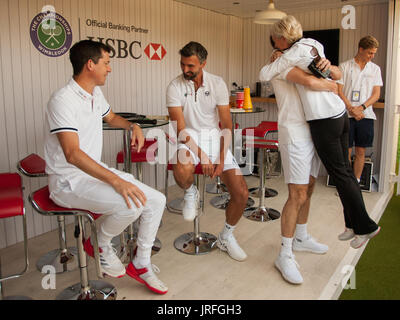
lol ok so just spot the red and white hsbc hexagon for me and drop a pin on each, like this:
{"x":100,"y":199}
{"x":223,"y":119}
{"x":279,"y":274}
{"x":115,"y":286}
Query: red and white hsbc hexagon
{"x":155,"y":51}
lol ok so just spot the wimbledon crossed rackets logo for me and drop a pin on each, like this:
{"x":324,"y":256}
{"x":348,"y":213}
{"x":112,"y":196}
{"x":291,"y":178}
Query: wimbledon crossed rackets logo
{"x":51,"y":34}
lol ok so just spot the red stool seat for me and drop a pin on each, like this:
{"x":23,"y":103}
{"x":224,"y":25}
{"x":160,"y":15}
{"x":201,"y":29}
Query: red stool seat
{"x":46,"y":206}
{"x":141,"y":156}
{"x":11,"y":198}
{"x":32,"y":166}
{"x":261,"y":130}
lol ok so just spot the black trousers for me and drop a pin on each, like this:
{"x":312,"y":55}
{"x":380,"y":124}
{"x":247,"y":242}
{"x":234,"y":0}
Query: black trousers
{"x":331,"y":140}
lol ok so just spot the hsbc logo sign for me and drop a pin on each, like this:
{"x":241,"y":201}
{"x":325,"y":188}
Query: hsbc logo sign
{"x":122,"y":49}
{"x":155,"y":51}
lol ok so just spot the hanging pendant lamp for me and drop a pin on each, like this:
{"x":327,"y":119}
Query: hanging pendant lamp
{"x":270,"y":15}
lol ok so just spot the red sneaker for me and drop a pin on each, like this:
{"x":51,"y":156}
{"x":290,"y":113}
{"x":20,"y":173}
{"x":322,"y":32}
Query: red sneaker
{"x":146,"y":276}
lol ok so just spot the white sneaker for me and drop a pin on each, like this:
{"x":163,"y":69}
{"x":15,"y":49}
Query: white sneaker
{"x":346,"y":235}
{"x":310,"y":245}
{"x":231,"y":246}
{"x":190,"y":203}
{"x":110,"y":264}
{"x":288,"y":267}
{"x":360,"y":240}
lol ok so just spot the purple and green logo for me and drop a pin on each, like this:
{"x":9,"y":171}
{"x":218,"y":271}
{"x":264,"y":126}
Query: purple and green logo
{"x":51,"y":34}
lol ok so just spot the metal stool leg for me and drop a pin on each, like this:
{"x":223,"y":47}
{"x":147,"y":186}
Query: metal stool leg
{"x":262,"y":214}
{"x":62,"y":259}
{"x":174,"y":206}
{"x":216,"y":188}
{"x":86,"y":290}
{"x":17,"y":297}
{"x":196,"y":243}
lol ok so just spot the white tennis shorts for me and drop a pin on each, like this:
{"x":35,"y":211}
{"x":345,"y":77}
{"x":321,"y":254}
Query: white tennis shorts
{"x":211,"y":148}
{"x":299,"y":161}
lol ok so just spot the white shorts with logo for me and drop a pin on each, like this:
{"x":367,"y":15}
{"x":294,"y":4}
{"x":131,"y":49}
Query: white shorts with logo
{"x":299,"y":161}
{"x":211,"y":148}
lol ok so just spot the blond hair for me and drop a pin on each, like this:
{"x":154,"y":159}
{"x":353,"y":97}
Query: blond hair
{"x":288,"y":28}
{"x":368,"y":42}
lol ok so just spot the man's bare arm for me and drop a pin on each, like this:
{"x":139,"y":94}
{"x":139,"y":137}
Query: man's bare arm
{"x":117,"y":121}
{"x":225,"y":140}
{"x":176,"y":114}
{"x":299,"y":76}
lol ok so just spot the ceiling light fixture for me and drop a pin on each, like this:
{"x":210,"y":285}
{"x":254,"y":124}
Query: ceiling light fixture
{"x":270,"y":15}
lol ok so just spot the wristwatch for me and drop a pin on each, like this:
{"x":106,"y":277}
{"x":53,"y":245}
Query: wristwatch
{"x":364,"y":107}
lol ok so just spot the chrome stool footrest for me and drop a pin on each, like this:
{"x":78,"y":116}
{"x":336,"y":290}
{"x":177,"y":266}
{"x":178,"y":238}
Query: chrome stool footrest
{"x":175,"y":206}
{"x":262,"y":214}
{"x":189,"y":244}
{"x":98,"y":290}
{"x":269,"y":193}
{"x":221,"y":202}
{"x":62,"y":261}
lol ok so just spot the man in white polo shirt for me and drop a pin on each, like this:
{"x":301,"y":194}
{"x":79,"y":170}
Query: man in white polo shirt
{"x":360,"y":88}
{"x":197,"y":101}
{"x":77,"y":177}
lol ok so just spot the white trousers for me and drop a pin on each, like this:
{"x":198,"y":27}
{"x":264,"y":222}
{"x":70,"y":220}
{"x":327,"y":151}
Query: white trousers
{"x":99,"y":197}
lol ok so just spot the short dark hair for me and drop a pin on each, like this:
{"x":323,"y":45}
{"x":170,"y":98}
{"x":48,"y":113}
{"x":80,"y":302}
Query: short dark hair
{"x":194,"y":49}
{"x":85,"y":50}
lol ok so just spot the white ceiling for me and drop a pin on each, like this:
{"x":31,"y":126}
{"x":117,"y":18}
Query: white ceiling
{"x":248,"y":8}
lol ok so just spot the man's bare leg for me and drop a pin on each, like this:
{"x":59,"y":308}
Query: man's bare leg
{"x":237,"y":188}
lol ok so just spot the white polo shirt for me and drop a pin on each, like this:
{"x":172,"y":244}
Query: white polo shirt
{"x":199,"y":108}
{"x":362,"y":81}
{"x":73,"y":109}
{"x":316,"y":104}
{"x":292,"y":125}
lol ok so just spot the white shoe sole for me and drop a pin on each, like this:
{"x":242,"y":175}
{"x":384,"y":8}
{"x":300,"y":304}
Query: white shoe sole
{"x":284,"y":276}
{"x":366,"y":240}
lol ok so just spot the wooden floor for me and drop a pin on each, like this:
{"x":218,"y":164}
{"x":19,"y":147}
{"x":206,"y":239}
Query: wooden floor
{"x":215,"y":275}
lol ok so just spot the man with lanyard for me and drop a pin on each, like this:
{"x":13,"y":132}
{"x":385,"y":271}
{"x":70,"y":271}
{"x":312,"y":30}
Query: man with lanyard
{"x":77,"y":177}
{"x":360,"y":88}
{"x":197,"y":101}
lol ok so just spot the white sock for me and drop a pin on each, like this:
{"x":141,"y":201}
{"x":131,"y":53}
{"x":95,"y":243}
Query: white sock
{"x":192,"y":188}
{"x":301,"y":231}
{"x":141,"y":262}
{"x":286,"y":246}
{"x":358,"y":180}
{"x":227,"y":231}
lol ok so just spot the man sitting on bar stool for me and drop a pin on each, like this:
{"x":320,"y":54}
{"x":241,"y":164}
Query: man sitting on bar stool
{"x":197,"y":100}
{"x":77,"y":177}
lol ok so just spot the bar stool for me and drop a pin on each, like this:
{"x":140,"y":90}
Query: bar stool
{"x":62,"y":259}
{"x":148,"y":153}
{"x":12,"y":205}
{"x":196,"y":243}
{"x":262,"y":213}
{"x":86,"y":289}
{"x":264,"y":129}
{"x":218,"y":187}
